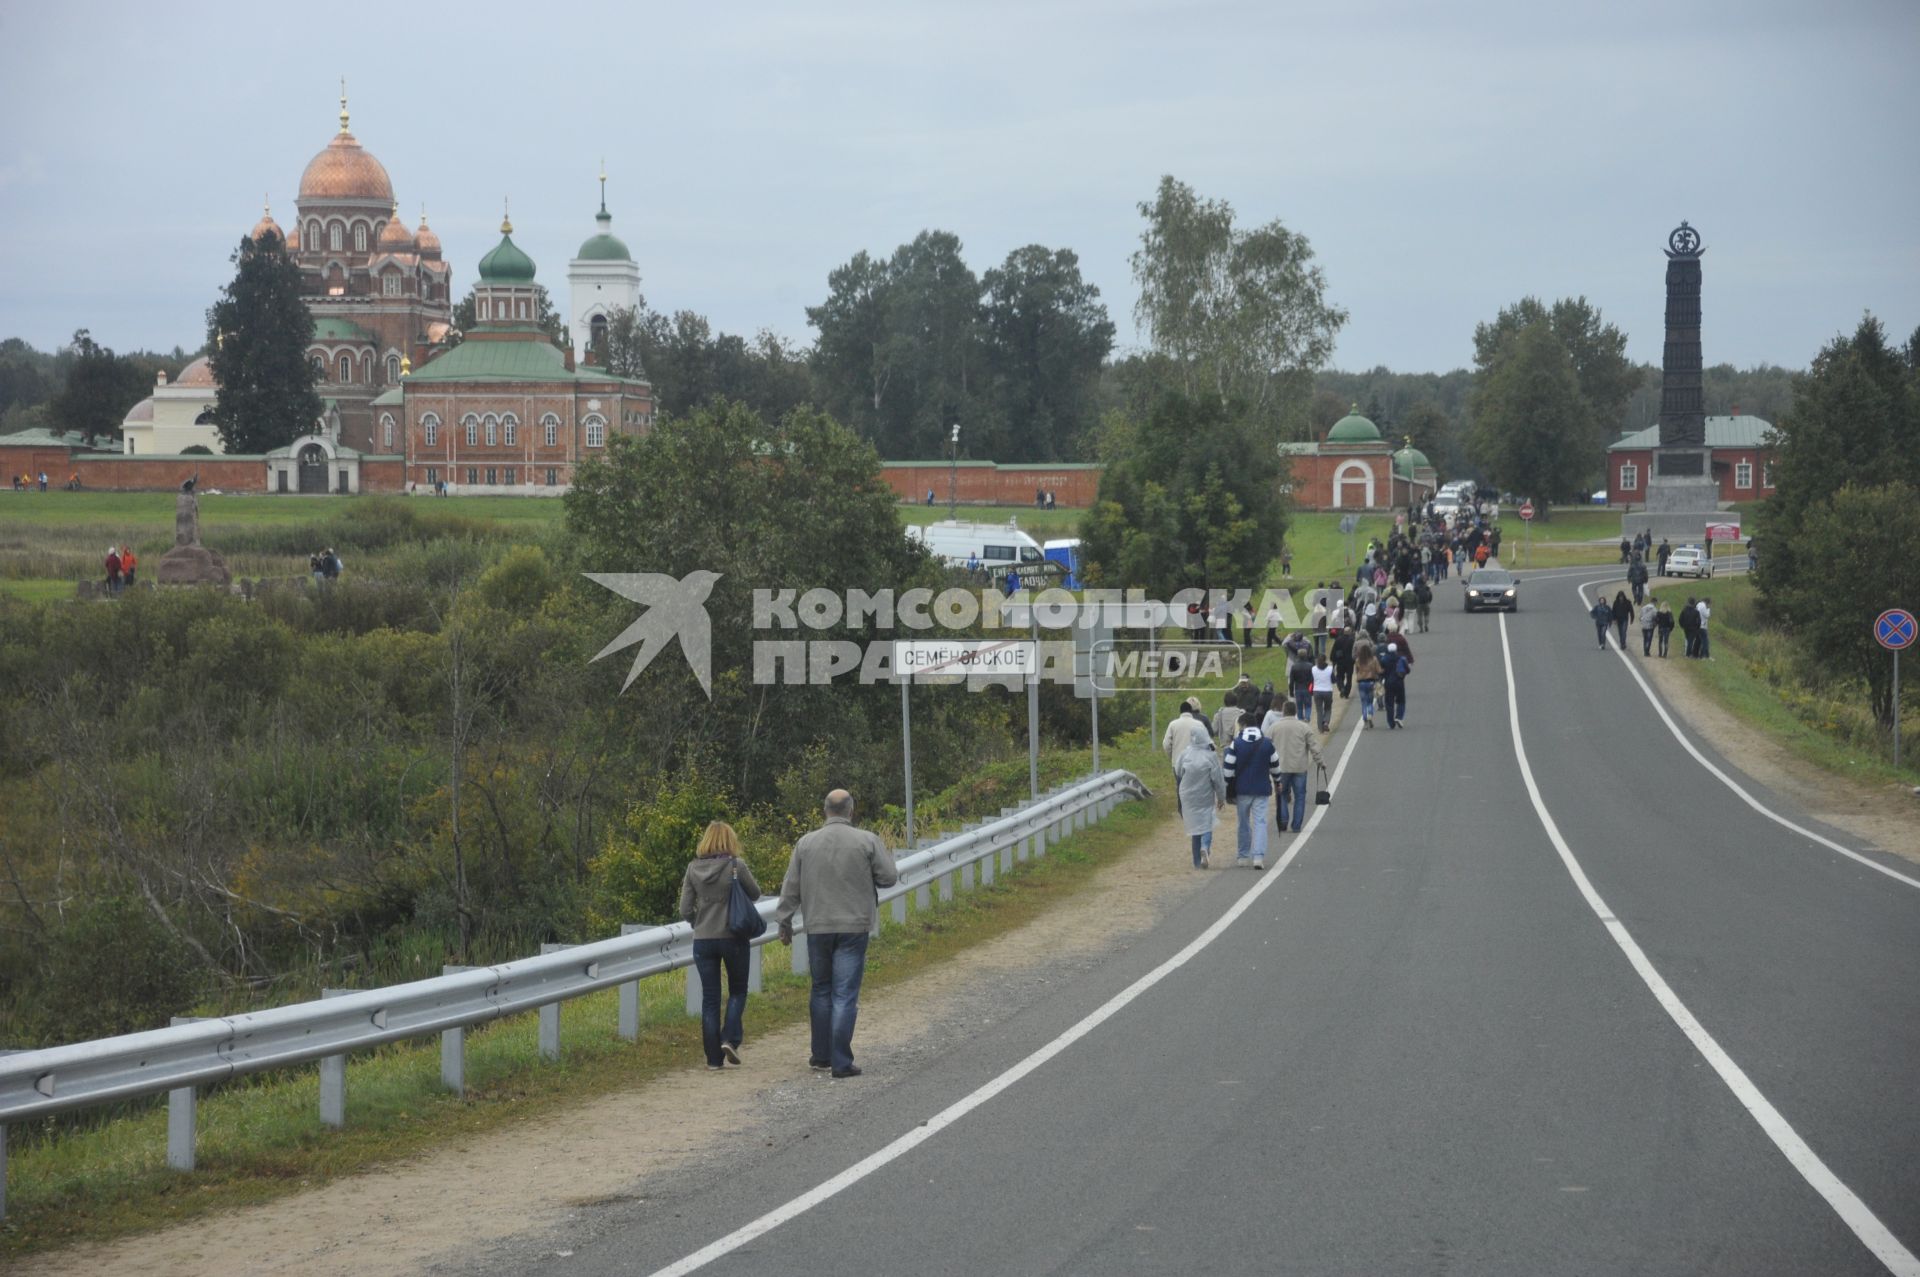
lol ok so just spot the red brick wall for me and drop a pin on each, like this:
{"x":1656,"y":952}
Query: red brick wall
{"x":1313,"y":483}
{"x":147,"y":474}
{"x":383,"y":476}
{"x":31,"y":461}
{"x":1726,"y":462}
{"x":985,"y":483}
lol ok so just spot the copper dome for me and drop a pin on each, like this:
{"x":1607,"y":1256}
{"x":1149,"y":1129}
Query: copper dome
{"x":345,"y":171}
{"x":197,"y":373}
{"x":426,"y":240}
{"x":396,"y":237}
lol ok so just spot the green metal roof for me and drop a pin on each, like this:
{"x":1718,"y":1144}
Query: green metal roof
{"x":334,"y":328}
{"x":605,"y":247}
{"x":536,"y":359}
{"x":40,"y":437}
{"x":1353,"y":428}
{"x":1408,"y":460}
{"x":506,"y":264}
{"x":1743,"y":431}
{"x":392,"y":398}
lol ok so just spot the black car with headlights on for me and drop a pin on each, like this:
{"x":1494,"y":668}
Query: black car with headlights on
{"x":1492,"y":587}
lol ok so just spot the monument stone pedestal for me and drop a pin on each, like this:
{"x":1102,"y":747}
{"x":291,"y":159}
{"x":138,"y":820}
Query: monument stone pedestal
{"x":1682,"y":497}
{"x":189,"y":562}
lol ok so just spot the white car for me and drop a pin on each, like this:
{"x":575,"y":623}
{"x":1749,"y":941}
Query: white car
{"x":1689,"y":560}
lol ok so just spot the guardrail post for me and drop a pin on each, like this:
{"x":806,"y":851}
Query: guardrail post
{"x":628,"y":1026}
{"x":453,"y":1049}
{"x":3,"y":1172}
{"x":987,"y":864}
{"x":550,"y":1016}
{"x":333,"y":1079}
{"x":753,"y":968}
{"x":183,"y":1115}
{"x":798,"y":953}
{"x":900,"y":908}
{"x":966,"y":875}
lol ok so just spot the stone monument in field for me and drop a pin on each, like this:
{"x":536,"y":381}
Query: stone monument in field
{"x":1682,"y":496}
{"x":189,"y":562}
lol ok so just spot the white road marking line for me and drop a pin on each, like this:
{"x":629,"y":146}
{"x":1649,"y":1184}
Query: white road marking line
{"x":966,"y":1104}
{"x":1853,"y":1212}
{"x":1728,"y":781}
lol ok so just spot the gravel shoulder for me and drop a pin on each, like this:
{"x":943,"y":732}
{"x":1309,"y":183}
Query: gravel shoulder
{"x":491,"y":1202}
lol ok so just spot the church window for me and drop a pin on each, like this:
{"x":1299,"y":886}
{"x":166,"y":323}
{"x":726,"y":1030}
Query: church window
{"x":510,"y":428}
{"x":472,"y":423}
{"x":433,"y":476}
{"x":512,"y":476}
{"x":550,"y":429}
{"x":523,"y":310}
{"x":493,"y":431}
{"x":1629,"y":477}
{"x":596,"y":432}
{"x":1743,"y":474}
{"x":359,"y":237}
{"x":473,"y":476}
{"x":553,"y":477}
{"x":390,"y":284}
{"x":430,"y":424}
{"x":334,"y":237}
{"x":346,"y":369}
{"x":366,"y":369}
{"x":483,"y":308}
{"x":386,"y":431}
{"x":597,"y":340}
{"x":319,"y":367}
{"x":490,"y":474}
{"x":393,"y":370}
{"x":312,"y":237}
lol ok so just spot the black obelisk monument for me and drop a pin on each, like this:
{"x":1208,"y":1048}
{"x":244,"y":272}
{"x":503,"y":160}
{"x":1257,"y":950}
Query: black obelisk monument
{"x":1682,"y":496}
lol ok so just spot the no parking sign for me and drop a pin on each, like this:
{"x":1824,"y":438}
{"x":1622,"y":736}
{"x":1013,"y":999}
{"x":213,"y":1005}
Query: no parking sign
{"x":1894,"y":629}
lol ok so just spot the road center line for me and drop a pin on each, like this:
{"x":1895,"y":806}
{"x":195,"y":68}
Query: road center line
{"x":1721,"y":776}
{"x":973,"y":1100}
{"x":1853,"y":1212}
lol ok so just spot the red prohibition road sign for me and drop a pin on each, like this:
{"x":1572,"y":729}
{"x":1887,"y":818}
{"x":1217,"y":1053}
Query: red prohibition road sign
{"x":1526,"y":511}
{"x":1894,"y":628}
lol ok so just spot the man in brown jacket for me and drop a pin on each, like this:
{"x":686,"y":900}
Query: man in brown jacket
{"x":835,"y":876}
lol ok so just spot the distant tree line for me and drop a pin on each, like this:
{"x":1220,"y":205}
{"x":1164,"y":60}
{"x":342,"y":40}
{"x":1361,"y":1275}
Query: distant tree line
{"x":83,"y":386}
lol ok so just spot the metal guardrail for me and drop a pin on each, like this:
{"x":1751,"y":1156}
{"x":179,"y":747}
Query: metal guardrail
{"x":190,"y":1054}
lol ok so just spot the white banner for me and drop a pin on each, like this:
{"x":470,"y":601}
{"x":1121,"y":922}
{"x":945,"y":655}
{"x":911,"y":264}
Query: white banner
{"x":1000,"y":658}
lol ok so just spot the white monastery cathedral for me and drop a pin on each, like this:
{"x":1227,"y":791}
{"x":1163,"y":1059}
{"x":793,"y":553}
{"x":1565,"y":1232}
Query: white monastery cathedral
{"x":411,"y":402}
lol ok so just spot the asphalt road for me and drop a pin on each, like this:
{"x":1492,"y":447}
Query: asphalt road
{"x":1420,"y":1049}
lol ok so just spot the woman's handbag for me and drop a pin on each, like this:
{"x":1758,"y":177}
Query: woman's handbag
{"x":1322,"y":797}
{"x":744,"y":920}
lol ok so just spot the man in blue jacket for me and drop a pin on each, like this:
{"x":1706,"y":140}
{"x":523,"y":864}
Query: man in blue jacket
{"x":1251,"y":767}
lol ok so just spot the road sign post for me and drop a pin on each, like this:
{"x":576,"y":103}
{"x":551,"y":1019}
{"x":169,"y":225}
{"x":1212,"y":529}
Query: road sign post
{"x":1895,"y":629}
{"x":1526,"y":520}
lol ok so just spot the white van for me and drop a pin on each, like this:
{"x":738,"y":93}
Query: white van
{"x":994,"y":547}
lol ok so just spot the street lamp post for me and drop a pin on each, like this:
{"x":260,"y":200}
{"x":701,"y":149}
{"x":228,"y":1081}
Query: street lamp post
{"x":953,"y":474}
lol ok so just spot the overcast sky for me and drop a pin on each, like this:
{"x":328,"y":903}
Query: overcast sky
{"x":1444,"y":160}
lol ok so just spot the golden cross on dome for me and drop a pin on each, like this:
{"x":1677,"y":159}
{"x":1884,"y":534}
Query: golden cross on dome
{"x":603,"y":184}
{"x":506,"y":216}
{"x":343,"y":104}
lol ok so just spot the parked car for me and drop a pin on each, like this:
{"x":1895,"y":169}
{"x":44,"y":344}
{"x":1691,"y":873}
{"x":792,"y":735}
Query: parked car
{"x":1689,"y":560}
{"x":1492,"y":587}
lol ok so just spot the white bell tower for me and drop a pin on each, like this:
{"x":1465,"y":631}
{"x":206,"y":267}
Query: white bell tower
{"x":601,"y":278}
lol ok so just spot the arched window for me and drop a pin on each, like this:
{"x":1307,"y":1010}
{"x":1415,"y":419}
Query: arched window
{"x":334,"y":239}
{"x":483,"y":309}
{"x":493,"y":430}
{"x":311,"y":240}
{"x":346,"y":369}
{"x":523,"y":310}
{"x":596,"y":432}
{"x":386,"y":431}
{"x":510,"y":430}
{"x":431,"y":425}
{"x":319,"y":367}
{"x":390,"y":284}
{"x":550,"y":429}
{"x":366,"y":368}
{"x":597,"y":335}
{"x":472,"y":423}
{"x":393,"y":370}
{"x":359,"y":237}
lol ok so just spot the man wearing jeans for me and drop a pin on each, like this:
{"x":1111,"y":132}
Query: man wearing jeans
{"x":1295,"y":744}
{"x":1250,"y":766}
{"x":834,"y":877}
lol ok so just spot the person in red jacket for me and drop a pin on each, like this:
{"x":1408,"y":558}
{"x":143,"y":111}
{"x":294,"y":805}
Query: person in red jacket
{"x":113,"y":570}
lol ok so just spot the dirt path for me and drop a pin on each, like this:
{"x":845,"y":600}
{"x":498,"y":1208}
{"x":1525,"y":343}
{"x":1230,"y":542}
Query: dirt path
{"x":459,"y":1205}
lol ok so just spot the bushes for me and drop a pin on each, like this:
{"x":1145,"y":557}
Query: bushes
{"x":637,"y":877}
{"x":109,"y":967}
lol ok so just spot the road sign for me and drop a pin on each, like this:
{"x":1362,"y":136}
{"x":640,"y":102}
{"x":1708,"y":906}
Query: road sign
{"x":1894,"y":629}
{"x":1348,"y":522}
{"x":1526,"y":511}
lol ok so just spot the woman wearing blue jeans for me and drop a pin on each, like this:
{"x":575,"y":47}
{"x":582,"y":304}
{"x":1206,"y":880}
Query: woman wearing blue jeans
{"x":1366,"y":675}
{"x":703,"y":902}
